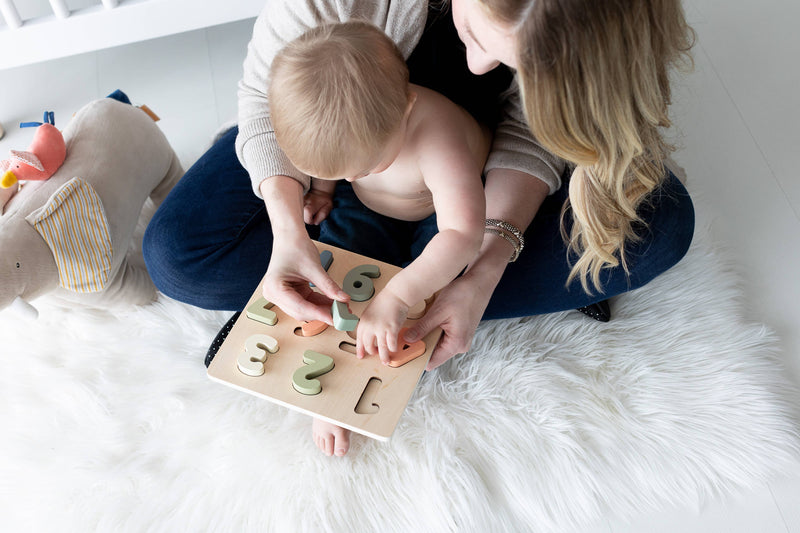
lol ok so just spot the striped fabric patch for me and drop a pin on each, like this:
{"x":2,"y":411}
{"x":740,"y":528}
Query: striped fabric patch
{"x":74,"y":225}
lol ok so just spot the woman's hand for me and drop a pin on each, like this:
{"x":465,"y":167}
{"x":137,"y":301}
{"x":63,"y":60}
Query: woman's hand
{"x":295,"y":260}
{"x":459,"y":307}
{"x":512,"y":196}
{"x":292,"y":267}
{"x":457,"y":310}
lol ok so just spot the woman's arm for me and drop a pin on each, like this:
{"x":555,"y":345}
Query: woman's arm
{"x":515,"y":148}
{"x":295,"y":260}
{"x":511,"y":196}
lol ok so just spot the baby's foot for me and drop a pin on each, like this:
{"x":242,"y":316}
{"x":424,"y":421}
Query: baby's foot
{"x":330,"y":438}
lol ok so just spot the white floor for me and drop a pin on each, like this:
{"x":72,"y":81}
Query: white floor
{"x":736,"y":121}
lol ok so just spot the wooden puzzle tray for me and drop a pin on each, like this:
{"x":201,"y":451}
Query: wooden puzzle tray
{"x":362,"y":395}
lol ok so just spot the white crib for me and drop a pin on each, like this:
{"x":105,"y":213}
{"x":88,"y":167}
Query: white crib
{"x":76,"y":26}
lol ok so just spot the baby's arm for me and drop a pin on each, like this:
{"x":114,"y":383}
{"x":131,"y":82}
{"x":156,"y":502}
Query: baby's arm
{"x":318,"y":201}
{"x":454,"y":179}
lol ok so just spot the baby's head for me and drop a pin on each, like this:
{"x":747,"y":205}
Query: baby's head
{"x":339,"y":97}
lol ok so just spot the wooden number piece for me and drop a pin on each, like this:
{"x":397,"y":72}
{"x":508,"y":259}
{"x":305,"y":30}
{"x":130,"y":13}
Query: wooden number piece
{"x":260,"y":312}
{"x":418,"y":311}
{"x":358,"y":283}
{"x":326,"y":258}
{"x":343,"y":319}
{"x":312,"y":328}
{"x":256,"y":347}
{"x":408,"y":351}
{"x":315,"y":365}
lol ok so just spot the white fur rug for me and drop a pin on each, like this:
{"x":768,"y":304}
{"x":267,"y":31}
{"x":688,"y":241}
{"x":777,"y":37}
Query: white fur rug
{"x":110,"y":424}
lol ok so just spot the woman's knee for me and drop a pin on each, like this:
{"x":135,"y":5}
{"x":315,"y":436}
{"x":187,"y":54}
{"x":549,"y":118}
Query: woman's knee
{"x":670,"y":222}
{"x":162,"y":247}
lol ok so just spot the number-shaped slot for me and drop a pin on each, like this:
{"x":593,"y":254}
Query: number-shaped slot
{"x":348,"y":347}
{"x":366,"y":403}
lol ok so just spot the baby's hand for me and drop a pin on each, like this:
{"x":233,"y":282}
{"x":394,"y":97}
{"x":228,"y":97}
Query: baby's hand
{"x":317,"y":205}
{"x":380,"y":325}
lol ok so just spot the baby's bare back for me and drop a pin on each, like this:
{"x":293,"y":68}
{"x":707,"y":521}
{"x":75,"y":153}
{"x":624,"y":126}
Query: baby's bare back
{"x":435,"y":123}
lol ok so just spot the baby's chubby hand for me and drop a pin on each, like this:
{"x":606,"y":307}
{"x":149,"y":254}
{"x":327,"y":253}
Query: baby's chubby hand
{"x":317,"y":205}
{"x":379,"y":326}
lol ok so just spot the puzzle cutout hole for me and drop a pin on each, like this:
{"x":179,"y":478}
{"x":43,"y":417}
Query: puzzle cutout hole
{"x":366,"y":403}
{"x":348,"y":347}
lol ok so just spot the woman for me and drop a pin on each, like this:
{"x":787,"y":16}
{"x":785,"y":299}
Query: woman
{"x":593,"y":90}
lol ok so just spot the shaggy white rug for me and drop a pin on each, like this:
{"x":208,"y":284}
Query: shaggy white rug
{"x":110,"y":424}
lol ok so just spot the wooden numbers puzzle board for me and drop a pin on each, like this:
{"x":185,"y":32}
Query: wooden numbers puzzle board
{"x":362,"y":395}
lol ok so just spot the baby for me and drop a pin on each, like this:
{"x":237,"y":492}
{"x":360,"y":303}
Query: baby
{"x":343,"y":109}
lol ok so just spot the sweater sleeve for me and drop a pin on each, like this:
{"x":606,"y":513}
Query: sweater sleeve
{"x":280,"y":22}
{"x":515,"y":148}
{"x":256,"y":146}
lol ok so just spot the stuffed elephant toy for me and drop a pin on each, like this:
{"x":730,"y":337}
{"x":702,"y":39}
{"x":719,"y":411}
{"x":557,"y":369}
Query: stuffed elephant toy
{"x":69,"y":237}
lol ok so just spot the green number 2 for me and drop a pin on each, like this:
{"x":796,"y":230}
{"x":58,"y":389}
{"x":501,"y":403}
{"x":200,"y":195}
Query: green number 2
{"x":316,"y":364}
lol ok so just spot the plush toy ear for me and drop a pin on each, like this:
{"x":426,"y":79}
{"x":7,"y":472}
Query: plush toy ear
{"x":74,"y":225}
{"x":29,"y":158}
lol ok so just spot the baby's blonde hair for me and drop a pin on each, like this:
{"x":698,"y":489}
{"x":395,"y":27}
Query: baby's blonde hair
{"x":594,"y":80}
{"x":337,"y":94}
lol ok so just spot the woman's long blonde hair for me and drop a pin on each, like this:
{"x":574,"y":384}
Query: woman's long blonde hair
{"x":594,"y":81}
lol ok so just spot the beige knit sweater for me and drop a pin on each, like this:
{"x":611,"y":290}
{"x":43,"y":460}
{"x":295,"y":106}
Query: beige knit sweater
{"x":403,"y":21}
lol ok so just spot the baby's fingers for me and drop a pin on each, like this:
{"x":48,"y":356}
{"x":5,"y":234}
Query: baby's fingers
{"x":321,"y":215}
{"x":392,"y":343}
{"x":364,"y":344}
{"x":383,"y":349}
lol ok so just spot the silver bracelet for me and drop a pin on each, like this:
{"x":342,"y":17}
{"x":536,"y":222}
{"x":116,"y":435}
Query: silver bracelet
{"x":510,"y":228}
{"x":510,"y":239}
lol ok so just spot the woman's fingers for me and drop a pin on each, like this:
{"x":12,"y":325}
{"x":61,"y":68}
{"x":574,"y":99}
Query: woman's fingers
{"x":328,"y":287}
{"x":322,"y":214}
{"x":457,"y":330}
{"x":447,"y":347}
{"x":299,"y":305}
{"x":430,"y":320}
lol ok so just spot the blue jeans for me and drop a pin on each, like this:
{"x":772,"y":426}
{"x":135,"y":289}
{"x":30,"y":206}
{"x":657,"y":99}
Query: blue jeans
{"x":210,"y":241}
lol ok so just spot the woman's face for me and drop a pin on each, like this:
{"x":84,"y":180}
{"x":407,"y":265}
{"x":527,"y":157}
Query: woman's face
{"x":488,"y":42}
